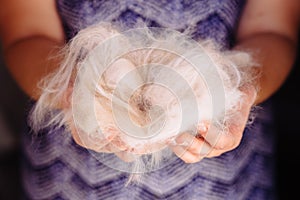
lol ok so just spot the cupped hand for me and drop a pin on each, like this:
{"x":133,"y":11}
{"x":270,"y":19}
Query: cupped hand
{"x":211,"y":141}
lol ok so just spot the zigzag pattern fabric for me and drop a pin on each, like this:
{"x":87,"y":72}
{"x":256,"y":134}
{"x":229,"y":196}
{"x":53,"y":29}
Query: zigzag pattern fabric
{"x":55,"y":167}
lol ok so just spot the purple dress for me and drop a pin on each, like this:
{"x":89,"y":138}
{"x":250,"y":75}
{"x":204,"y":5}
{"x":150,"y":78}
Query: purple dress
{"x":55,"y":167}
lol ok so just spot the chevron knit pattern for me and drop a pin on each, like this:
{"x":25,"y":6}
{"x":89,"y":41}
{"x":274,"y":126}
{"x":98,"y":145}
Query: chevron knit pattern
{"x":55,"y":167}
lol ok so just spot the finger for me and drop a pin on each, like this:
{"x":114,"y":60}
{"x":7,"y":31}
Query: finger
{"x":94,"y":142}
{"x":108,"y":148}
{"x":125,"y":156}
{"x":221,"y":139}
{"x":110,"y":144}
{"x":228,"y":137}
{"x":185,"y":155}
{"x":215,"y":153}
{"x":201,"y":147}
{"x":194,"y":145}
{"x":118,"y":144}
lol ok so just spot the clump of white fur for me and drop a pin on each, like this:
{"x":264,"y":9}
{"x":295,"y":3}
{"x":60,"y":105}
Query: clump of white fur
{"x":88,"y":92}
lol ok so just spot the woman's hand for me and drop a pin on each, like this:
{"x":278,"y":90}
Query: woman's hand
{"x":210,"y":141}
{"x":110,"y":144}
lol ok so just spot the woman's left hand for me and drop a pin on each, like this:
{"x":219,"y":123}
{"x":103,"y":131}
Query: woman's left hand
{"x":212,"y":142}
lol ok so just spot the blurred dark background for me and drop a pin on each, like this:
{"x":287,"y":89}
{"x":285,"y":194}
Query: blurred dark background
{"x":287,"y":113}
{"x":12,"y":108}
{"x":287,"y":122}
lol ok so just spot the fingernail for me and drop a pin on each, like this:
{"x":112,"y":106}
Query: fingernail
{"x":181,"y":141}
{"x":202,"y":127}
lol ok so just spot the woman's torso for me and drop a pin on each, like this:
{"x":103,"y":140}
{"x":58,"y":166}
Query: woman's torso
{"x":55,"y":167}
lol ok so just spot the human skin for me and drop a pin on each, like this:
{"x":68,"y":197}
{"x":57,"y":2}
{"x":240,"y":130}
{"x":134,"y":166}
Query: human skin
{"x":31,"y":30}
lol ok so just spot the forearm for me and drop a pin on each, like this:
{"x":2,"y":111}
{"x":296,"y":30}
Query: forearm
{"x":275,"y":54}
{"x":30,"y":59}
